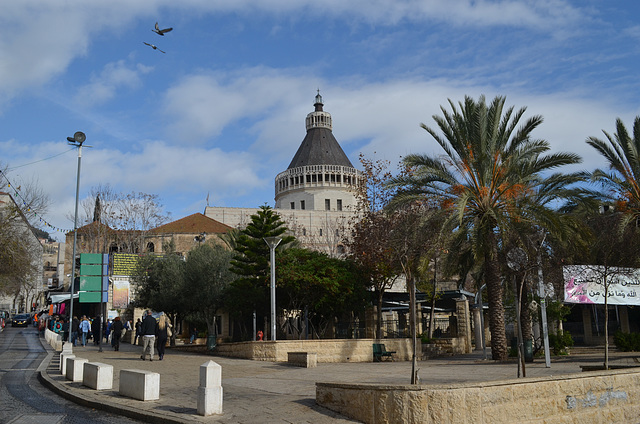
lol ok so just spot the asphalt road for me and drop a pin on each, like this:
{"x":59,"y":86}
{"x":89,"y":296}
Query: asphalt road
{"x":23,"y":399}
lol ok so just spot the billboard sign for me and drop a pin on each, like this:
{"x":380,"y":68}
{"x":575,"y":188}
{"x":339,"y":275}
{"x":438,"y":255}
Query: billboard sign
{"x":585,"y":284}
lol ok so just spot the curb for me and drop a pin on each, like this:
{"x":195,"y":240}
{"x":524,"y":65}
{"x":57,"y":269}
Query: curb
{"x":167,"y":417}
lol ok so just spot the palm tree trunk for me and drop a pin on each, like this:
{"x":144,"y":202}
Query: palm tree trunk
{"x":495,"y":294}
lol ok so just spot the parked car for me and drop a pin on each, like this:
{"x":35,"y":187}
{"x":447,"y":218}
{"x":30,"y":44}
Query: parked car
{"x":20,"y":320}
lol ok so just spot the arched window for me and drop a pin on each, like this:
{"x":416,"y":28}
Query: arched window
{"x":150,"y":247}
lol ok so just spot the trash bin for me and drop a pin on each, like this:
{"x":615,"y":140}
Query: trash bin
{"x":211,"y":342}
{"x":528,"y":350}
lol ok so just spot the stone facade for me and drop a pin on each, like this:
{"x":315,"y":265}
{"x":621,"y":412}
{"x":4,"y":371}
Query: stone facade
{"x":327,"y":350}
{"x":595,"y":397}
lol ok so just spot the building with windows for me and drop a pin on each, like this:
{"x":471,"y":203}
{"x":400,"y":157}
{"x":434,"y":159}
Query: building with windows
{"x":316,"y":195}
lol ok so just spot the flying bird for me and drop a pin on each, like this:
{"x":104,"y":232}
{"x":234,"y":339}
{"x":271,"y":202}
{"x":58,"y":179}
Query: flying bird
{"x":161,"y":31}
{"x":153,"y":47}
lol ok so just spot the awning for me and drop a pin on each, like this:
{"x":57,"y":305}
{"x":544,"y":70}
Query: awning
{"x":59,"y":298}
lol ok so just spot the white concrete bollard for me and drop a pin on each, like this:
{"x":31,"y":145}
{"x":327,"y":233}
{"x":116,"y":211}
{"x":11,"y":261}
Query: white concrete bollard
{"x":75,"y":368}
{"x":98,"y":376}
{"x":210,"y":389}
{"x":140,"y":384}
{"x":63,"y":361}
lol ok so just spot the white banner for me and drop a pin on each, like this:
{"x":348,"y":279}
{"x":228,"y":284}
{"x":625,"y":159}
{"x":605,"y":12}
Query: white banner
{"x":585,"y":284}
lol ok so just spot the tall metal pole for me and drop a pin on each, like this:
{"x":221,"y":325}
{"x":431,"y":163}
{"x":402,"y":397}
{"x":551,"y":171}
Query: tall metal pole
{"x":543,"y":311}
{"x":273,"y":242}
{"x":78,"y":138}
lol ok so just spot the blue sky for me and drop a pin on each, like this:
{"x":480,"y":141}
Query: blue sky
{"x":222,"y":112}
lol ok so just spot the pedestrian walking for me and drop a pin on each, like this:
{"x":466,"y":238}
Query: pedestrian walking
{"x":148,"y":330}
{"x":163,"y":331}
{"x":57,"y":325}
{"x":107,"y":332}
{"x":138,"y":331}
{"x":65,"y":330}
{"x":194,"y":334}
{"x":95,"y":329}
{"x":116,"y":333}
{"x":85,"y":327}
{"x":75,"y":324}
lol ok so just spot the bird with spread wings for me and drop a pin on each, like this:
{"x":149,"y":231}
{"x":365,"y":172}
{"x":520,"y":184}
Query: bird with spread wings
{"x":161,"y":31}
{"x":153,"y":47}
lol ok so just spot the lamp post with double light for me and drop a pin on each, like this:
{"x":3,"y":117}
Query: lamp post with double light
{"x":273,"y":242}
{"x":77,"y":140}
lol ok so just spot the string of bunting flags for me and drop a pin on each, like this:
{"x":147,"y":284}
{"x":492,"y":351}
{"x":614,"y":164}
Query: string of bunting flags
{"x":24,"y":203}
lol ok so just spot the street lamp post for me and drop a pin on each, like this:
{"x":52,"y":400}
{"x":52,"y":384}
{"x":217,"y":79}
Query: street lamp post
{"x":77,"y":140}
{"x":273,"y":242}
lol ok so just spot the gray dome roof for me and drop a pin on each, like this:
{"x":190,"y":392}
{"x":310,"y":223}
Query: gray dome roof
{"x":319,"y":146}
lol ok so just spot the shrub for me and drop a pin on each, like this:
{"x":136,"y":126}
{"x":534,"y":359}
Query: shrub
{"x":560,"y":342}
{"x":424,"y":338}
{"x":627,"y":342}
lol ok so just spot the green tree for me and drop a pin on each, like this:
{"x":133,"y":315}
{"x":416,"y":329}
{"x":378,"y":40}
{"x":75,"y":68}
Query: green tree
{"x":492,"y":176}
{"x":250,"y":291}
{"x":160,"y":284}
{"x":207,"y":275}
{"x":369,"y":242}
{"x":324,"y":287}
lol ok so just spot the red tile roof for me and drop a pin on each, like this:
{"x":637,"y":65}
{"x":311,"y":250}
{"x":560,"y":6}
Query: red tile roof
{"x":193,"y":224}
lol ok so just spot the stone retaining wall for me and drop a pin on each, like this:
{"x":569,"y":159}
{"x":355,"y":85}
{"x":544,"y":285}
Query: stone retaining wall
{"x":333,"y":350}
{"x":595,"y":397}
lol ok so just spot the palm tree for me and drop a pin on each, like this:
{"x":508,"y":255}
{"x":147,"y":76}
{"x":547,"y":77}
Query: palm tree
{"x":623,"y":154}
{"x":622,"y":186}
{"x":488,"y":182}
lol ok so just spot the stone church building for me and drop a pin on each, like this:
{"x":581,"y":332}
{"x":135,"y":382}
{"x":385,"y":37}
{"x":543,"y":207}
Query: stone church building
{"x":316,"y":195}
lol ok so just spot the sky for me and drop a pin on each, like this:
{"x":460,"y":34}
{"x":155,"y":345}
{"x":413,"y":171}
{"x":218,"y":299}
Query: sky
{"x":222,"y":112}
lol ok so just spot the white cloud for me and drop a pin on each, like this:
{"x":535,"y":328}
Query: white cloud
{"x":200,"y":106}
{"x":103,"y":87}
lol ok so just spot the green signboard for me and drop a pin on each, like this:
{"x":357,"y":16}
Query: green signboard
{"x":91,"y":297}
{"x":94,"y":280}
{"x":92,"y":283}
{"x":90,"y":269}
{"x":91,"y":258}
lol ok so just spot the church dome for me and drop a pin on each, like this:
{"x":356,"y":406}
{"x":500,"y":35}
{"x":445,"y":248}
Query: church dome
{"x":320,"y":175}
{"x":319,"y":146}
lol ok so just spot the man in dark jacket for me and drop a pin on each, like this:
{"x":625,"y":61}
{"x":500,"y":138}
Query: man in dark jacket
{"x":116,"y":333}
{"x":75,"y":324}
{"x":95,"y":329}
{"x":148,"y":335}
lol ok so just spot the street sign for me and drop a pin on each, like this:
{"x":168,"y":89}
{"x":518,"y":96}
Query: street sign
{"x":92,"y":297}
{"x":94,"y":278}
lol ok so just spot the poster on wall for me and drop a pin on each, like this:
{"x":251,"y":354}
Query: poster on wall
{"x":585,"y":284}
{"x":121,"y":294}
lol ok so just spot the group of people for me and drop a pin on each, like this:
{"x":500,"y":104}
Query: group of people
{"x":84,"y":329}
{"x":150,"y":329}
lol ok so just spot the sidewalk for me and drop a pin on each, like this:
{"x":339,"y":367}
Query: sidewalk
{"x":268,"y":392}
